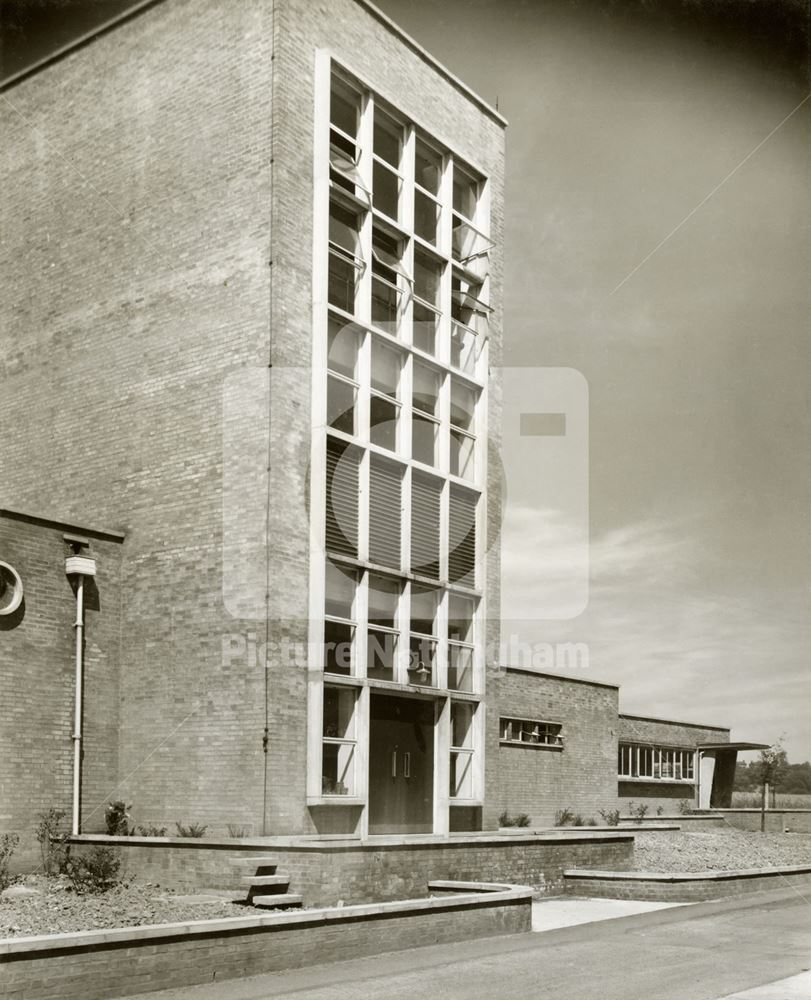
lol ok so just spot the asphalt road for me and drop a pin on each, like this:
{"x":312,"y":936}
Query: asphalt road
{"x":698,"y":952}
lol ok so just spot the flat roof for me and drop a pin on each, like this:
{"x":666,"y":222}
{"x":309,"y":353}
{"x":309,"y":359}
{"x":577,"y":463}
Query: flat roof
{"x":674,"y":722}
{"x":732,"y":746}
{"x":103,"y":534}
{"x":560,"y":677}
{"x":139,"y":7}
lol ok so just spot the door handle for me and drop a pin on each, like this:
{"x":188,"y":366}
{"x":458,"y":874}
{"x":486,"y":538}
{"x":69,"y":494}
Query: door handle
{"x":394,"y":763}
{"x":406,"y":765}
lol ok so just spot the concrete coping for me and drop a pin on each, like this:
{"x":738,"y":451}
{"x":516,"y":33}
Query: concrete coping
{"x":486,"y":894}
{"x":722,"y":811}
{"x":553,"y":835}
{"x":708,"y":876}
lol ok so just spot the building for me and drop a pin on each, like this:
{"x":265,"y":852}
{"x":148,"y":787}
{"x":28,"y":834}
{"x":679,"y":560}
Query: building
{"x":254,"y":263}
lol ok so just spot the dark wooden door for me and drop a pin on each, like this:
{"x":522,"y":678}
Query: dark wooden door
{"x":401,"y":765}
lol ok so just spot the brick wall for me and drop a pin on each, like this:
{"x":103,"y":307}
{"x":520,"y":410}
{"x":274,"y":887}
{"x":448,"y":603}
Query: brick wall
{"x":120,"y":963}
{"x":37,"y":676}
{"x":667,"y":796}
{"x":685,"y":889}
{"x":161,"y":259}
{"x":582,"y":776}
{"x":328,"y":872}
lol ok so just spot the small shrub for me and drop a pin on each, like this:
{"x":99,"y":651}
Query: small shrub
{"x":685,"y":806}
{"x":659,"y":810}
{"x":52,"y":840}
{"x":117,"y":818}
{"x":237,"y":831}
{"x":94,"y":872}
{"x":192,"y":830}
{"x":564,"y":817}
{"x":578,"y":820}
{"x":611,"y":817}
{"x":591,"y":821}
{"x":641,"y":811}
{"x":8,"y":845}
{"x":150,"y":831}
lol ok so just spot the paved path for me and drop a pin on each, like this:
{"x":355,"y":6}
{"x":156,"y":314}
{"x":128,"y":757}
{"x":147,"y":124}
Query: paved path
{"x":698,"y":952}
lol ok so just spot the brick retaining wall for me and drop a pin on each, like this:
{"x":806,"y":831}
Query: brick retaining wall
{"x":683,"y":886}
{"x":95,"y":965}
{"x":325,"y":872}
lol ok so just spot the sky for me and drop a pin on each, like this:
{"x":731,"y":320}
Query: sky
{"x":657,"y":242}
{"x":623,"y":127}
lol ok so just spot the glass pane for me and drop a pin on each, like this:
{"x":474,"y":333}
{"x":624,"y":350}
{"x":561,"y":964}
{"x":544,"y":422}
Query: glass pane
{"x":422,"y":661}
{"x":381,"y":655}
{"x":338,"y":769}
{"x":343,"y":229}
{"x":343,"y":345}
{"x":428,"y":167}
{"x":385,"y":305}
{"x":426,"y":217}
{"x":463,"y":405}
{"x":460,"y":668}
{"x":338,"y":644}
{"x":387,"y":138}
{"x":423,"y":439}
{"x":426,"y":389}
{"x":426,"y":278}
{"x":462,"y":455}
{"x":384,"y":595}
{"x":341,"y":405}
{"x":340,"y":587}
{"x":386,"y":366}
{"x":344,"y":107}
{"x":425,"y":328}
{"x":461,"y":776}
{"x":424,"y":607}
{"x":385,"y":190}
{"x":460,"y":618}
{"x":383,"y":422}
{"x":463,"y":348}
{"x":465,"y":193}
{"x":339,"y":713}
{"x":461,"y":724}
{"x":342,"y":283}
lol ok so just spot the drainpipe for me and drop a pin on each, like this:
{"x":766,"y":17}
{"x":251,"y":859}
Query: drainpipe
{"x":78,"y":566}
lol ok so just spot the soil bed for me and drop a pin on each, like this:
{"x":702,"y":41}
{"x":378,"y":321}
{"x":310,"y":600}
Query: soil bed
{"x":718,"y":850}
{"x":57,"y":909}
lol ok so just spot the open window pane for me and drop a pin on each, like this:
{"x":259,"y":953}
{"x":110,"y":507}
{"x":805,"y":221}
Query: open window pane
{"x":339,"y":642}
{"x":338,"y":769}
{"x":381,"y":655}
{"x":465,"y":192}
{"x":462,"y":455}
{"x":383,"y":416}
{"x":340,"y":589}
{"x":339,"y":713}
{"x":341,"y":397}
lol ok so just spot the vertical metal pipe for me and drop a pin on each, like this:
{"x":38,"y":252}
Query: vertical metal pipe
{"x":77,"y":719}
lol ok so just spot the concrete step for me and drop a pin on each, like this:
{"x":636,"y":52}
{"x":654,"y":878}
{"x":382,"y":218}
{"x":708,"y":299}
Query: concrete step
{"x":259,"y":861}
{"x":265,"y":880}
{"x":279,"y":900}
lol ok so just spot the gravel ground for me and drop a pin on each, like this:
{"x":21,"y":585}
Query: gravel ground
{"x":718,"y":850}
{"x":56,"y":909}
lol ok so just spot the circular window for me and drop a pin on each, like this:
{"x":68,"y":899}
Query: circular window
{"x":11,"y":589}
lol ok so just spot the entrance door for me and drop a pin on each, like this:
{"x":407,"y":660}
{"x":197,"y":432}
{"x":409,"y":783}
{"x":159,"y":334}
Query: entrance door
{"x":401,"y":765}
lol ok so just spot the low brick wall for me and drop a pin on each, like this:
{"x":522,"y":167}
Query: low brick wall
{"x":683,"y":886}
{"x":686,"y":821}
{"x":327,"y":872}
{"x":95,"y":965}
{"x":777,"y":820}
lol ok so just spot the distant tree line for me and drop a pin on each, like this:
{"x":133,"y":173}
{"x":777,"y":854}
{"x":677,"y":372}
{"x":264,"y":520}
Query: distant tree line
{"x":791,"y":779}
